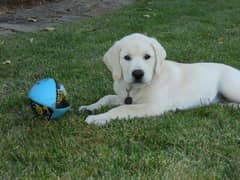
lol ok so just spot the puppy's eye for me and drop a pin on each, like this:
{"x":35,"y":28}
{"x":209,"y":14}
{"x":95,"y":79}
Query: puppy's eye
{"x":147,"y":56}
{"x":127,"y":57}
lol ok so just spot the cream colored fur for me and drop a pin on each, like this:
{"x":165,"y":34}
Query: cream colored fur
{"x":166,"y":85}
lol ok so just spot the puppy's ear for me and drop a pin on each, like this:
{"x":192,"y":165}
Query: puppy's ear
{"x":112,"y":61}
{"x":160,"y":54}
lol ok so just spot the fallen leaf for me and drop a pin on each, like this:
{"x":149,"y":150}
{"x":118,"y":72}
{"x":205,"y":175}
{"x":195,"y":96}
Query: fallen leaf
{"x":50,"y":29}
{"x":55,"y":19}
{"x":220,"y":40}
{"x":2,"y":42}
{"x":31,"y":40}
{"x":91,"y":30}
{"x":147,"y":15}
{"x":3,"y":10}
{"x":32,"y":19}
{"x":6,"y":62}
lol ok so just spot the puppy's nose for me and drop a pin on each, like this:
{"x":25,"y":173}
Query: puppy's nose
{"x":138,"y":74}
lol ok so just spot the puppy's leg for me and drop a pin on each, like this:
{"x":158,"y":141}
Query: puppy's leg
{"x":125,"y":112}
{"x":229,"y":85}
{"x":109,"y":100}
{"x":232,"y":105}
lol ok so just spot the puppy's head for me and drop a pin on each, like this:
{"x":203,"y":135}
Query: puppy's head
{"x":135,"y":58}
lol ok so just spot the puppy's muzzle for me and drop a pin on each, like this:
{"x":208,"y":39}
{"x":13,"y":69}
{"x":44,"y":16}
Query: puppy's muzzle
{"x":138,"y":75}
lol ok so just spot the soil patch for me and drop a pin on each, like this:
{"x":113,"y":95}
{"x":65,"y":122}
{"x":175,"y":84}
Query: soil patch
{"x":28,"y":18}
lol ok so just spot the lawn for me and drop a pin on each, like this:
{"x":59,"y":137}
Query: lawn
{"x":201,"y":143}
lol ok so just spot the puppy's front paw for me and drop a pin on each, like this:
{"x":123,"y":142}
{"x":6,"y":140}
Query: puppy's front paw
{"x":97,"y":119}
{"x":87,"y":109}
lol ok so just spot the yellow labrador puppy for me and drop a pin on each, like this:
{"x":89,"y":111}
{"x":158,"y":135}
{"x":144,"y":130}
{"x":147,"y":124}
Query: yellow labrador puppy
{"x":148,"y":85}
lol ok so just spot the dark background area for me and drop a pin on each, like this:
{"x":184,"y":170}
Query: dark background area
{"x":19,"y":2}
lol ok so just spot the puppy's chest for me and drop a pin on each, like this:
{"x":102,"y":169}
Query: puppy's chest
{"x":138,"y":95}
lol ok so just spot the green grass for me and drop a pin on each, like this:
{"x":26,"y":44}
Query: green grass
{"x":201,"y":143}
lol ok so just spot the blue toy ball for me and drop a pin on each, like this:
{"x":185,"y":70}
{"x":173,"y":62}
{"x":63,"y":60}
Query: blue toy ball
{"x":48,"y":99}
